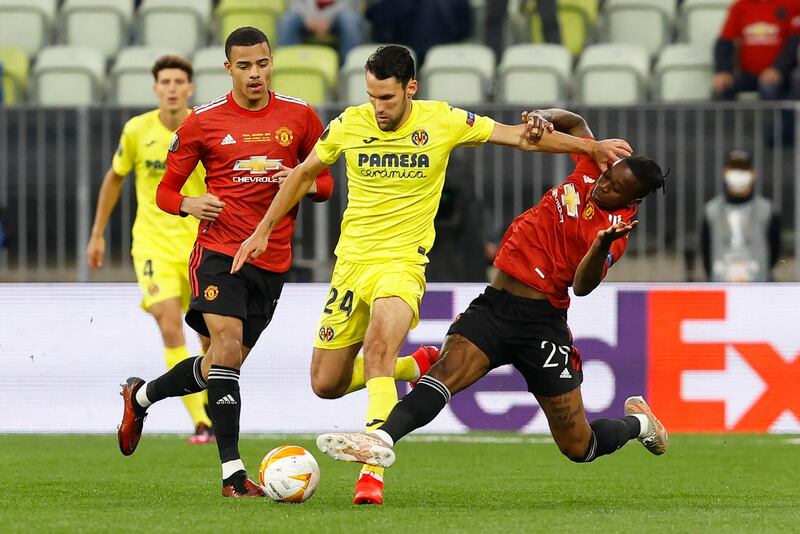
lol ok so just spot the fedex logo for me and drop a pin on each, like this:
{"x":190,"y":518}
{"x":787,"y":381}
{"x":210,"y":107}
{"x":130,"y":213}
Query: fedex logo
{"x":707,"y":360}
{"x":724,"y":359}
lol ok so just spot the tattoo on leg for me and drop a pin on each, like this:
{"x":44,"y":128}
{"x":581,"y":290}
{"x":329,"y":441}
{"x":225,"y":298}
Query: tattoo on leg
{"x":561,"y":414}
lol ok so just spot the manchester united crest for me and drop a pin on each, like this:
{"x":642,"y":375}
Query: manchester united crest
{"x":420,"y":138}
{"x":588,"y":213}
{"x":211,"y":292}
{"x":284,"y":136}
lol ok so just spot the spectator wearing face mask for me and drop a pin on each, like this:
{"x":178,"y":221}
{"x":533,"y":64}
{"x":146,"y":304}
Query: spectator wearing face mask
{"x":740,"y":235}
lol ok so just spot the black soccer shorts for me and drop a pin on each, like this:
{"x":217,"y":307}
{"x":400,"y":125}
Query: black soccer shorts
{"x":529,"y":334}
{"x":251,"y":294}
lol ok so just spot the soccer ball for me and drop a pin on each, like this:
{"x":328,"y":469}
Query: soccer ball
{"x":289,"y":473}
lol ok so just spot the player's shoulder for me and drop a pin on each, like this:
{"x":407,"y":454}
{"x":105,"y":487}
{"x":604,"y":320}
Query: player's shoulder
{"x":140,"y":122}
{"x":362,"y":112}
{"x":434,"y":107}
{"x":211,"y":107}
{"x":290,"y":101}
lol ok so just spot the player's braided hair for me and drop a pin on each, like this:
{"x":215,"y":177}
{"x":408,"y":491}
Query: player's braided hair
{"x":172,"y":62}
{"x":648,"y":172}
{"x":245,"y":36}
{"x":392,"y":61}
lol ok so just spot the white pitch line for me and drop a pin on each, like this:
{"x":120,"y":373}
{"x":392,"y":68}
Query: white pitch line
{"x":478,"y":439}
{"x":431,"y":438}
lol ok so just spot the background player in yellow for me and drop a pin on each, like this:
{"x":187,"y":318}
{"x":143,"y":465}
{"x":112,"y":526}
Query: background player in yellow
{"x":161,"y":243}
{"x":396,"y":151}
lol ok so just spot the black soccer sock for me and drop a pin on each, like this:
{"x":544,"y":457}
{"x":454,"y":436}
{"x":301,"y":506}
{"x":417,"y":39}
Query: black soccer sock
{"x":418,"y":408}
{"x":184,"y":378}
{"x":224,"y":403}
{"x":609,"y":435}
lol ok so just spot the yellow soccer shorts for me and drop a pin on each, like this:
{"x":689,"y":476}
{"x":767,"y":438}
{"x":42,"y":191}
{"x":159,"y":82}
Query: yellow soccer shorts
{"x":161,"y":280}
{"x":354,"y":287}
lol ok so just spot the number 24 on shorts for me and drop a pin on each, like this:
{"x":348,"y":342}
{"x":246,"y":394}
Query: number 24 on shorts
{"x":346,"y":305}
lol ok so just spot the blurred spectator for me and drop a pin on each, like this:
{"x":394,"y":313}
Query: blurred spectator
{"x":756,"y":49}
{"x":740,"y":236}
{"x":322,"y":18}
{"x":497,"y":17}
{"x":459,"y":224}
{"x":420,"y":24}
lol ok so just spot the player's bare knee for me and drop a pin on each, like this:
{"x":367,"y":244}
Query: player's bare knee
{"x":227,"y":351}
{"x":172,"y":333}
{"x":327,"y":389}
{"x":376,"y":349}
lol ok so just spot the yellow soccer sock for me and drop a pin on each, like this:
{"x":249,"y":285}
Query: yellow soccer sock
{"x":405,"y":369}
{"x":195,"y":403}
{"x":382,"y":398}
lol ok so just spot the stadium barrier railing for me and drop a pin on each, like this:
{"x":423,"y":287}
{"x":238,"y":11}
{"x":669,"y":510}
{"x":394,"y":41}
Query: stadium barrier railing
{"x":52,"y":162}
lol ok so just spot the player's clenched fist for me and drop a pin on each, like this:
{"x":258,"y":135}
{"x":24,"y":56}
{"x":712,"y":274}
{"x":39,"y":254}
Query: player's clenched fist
{"x":96,"y":251}
{"x":536,"y":125}
{"x":206,"y":207}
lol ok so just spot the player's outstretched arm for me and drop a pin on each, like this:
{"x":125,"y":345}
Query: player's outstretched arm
{"x":562,"y":121}
{"x":106,"y":201}
{"x":517,"y":136}
{"x":592,"y":267}
{"x":290,"y":193}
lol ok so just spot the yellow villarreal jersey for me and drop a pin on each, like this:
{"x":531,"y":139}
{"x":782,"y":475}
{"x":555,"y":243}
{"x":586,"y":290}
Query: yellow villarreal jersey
{"x":395,"y":178}
{"x":143,"y":147}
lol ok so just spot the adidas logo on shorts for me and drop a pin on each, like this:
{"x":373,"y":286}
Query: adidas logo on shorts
{"x":564,"y":374}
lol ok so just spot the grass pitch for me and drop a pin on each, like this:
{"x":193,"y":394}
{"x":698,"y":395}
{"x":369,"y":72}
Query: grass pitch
{"x":734,"y":483}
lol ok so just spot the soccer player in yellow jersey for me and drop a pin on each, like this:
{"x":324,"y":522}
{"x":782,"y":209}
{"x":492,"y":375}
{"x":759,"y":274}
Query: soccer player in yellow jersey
{"x":396,"y":150}
{"x":161,"y":243}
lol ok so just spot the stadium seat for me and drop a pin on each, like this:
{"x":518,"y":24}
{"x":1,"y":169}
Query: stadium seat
{"x":612,"y":74}
{"x":534,"y":74}
{"x":458,"y":73}
{"x":683,"y":74}
{"x":261,"y":14}
{"x":132,"y":77}
{"x":702,"y":20}
{"x":306,"y":71}
{"x":640,"y":22}
{"x":210,"y":77}
{"x":175,"y":24}
{"x":15,"y":74}
{"x":26,"y":24}
{"x":352,"y":87}
{"x":576,"y":21}
{"x":68,"y":76}
{"x":101,"y":24}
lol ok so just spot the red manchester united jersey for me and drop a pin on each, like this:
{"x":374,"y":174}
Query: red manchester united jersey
{"x":544,"y":245}
{"x":761,"y":28}
{"x":241,"y":151}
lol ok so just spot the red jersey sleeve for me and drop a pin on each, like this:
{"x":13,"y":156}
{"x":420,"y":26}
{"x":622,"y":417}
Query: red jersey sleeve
{"x":584,"y":165}
{"x":185,"y":152}
{"x":313,"y":130}
{"x":731,"y":29}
